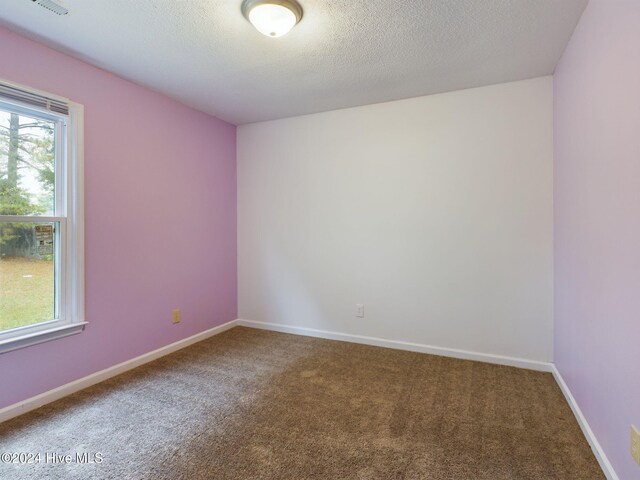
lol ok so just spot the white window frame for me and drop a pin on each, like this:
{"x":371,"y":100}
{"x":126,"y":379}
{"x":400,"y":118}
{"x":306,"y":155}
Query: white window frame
{"x":69,"y":214}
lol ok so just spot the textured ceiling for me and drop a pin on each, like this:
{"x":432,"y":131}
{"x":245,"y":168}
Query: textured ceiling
{"x":343,"y":53}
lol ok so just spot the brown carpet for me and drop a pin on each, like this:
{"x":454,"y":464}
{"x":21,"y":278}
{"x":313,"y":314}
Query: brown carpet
{"x":250,"y":404}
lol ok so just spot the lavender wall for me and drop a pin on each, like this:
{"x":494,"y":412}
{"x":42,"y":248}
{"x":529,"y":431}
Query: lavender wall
{"x":160,"y":220}
{"x":597,"y":223}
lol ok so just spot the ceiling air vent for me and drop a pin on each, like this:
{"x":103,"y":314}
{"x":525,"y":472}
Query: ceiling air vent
{"x":52,"y":6}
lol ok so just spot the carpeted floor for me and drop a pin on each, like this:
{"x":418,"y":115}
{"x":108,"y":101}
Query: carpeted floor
{"x":250,"y":404}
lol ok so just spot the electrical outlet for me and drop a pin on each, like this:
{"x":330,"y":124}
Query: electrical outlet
{"x":359,"y":310}
{"x":635,"y":444}
{"x":176,"y":315}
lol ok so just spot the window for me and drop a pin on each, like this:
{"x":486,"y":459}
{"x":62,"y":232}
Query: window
{"x":41,"y":217}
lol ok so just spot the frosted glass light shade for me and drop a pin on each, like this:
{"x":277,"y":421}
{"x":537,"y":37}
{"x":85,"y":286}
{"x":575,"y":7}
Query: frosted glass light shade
{"x":272,"y":18}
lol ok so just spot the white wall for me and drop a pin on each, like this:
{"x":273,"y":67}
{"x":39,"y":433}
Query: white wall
{"x":435,"y":212}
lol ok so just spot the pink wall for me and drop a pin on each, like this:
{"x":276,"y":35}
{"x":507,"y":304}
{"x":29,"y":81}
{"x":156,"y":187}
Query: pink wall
{"x":597,"y":223}
{"x":160,"y":220}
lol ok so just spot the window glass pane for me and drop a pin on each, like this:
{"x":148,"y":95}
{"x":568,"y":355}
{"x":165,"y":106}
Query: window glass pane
{"x":27,"y":273}
{"x":27,"y":157}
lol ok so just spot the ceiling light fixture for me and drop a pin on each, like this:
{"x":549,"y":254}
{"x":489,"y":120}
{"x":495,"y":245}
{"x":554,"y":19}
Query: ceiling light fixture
{"x":273,"y":18}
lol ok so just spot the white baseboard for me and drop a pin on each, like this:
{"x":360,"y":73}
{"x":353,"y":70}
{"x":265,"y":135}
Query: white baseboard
{"x":52,"y":395}
{"x":606,"y":466}
{"x":400,"y":345}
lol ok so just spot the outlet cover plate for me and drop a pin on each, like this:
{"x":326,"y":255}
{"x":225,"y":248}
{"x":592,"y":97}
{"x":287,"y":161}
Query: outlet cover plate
{"x":635,"y":444}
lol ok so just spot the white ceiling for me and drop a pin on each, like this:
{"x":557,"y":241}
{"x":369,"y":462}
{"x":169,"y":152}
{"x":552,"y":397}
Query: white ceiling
{"x":343,"y":53}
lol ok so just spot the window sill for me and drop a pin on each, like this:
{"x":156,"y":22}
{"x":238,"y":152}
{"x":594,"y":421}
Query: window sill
{"x":34,"y":338}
